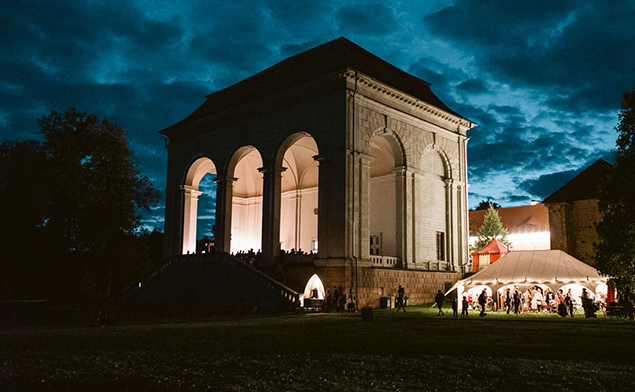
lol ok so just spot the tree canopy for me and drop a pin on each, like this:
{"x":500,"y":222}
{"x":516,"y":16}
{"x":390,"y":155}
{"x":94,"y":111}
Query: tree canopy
{"x":484,"y":205}
{"x":72,"y":225}
{"x":615,"y":250}
{"x":491,"y":228}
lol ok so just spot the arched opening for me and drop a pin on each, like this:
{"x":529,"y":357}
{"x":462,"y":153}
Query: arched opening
{"x":246,"y":216}
{"x":198,"y":214}
{"x":299,"y":195}
{"x":384,"y":240}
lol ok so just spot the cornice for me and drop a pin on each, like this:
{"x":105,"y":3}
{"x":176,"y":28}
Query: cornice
{"x":418,"y":104}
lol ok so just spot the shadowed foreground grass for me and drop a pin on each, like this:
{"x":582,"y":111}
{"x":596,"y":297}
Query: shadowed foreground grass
{"x":416,"y":351}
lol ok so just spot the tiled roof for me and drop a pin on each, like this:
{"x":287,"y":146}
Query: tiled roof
{"x":517,"y":220}
{"x":324,"y":60}
{"x":584,"y":186}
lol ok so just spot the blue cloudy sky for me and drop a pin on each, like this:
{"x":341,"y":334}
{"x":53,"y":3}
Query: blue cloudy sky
{"x":542,"y":79}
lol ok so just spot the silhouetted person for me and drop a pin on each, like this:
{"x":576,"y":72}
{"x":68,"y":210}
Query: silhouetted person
{"x":516,"y":301}
{"x":627,"y":308}
{"x":508,"y":300}
{"x":351,"y":301}
{"x":329,"y":300}
{"x":482,"y":301}
{"x":464,"y":305}
{"x":562,"y":309}
{"x":439,"y":299}
{"x":569,"y":304}
{"x":401,"y":301}
{"x":455,"y":307}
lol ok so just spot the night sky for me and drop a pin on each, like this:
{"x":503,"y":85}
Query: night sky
{"x":542,"y":79}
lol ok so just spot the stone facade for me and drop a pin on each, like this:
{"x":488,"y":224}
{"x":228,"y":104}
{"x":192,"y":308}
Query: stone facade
{"x":573,"y":212}
{"x":351,"y":125}
{"x":573,"y":228}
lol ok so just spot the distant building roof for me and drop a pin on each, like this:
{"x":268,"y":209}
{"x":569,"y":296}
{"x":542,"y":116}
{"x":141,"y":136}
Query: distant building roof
{"x":321,"y":61}
{"x":517,"y":220}
{"x":494,"y":247}
{"x":584,"y":186}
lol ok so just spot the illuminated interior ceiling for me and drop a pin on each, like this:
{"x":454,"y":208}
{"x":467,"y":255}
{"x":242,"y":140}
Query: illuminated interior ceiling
{"x":384,"y":161}
{"x":198,"y":170}
{"x":249,"y":179}
{"x":301,"y":169}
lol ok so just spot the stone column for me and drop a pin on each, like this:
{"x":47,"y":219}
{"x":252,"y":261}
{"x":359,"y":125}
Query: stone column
{"x":297,"y":221}
{"x":333,"y":237}
{"x":401,"y":207}
{"x":223,"y":229}
{"x":417,"y":258}
{"x":173,"y":222}
{"x":272,"y":182}
{"x":190,"y":214}
{"x":361,"y":182}
{"x":452,"y":237}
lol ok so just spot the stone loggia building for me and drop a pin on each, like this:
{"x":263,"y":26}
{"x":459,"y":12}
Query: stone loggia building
{"x":335,"y":152}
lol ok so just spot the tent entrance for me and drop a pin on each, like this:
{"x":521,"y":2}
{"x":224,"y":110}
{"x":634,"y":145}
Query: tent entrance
{"x":313,"y":296}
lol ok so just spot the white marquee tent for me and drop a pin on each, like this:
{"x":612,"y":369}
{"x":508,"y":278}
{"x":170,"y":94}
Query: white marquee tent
{"x":551,"y":268}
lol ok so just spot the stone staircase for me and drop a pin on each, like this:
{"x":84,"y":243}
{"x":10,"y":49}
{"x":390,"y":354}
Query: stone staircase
{"x":212,"y":278}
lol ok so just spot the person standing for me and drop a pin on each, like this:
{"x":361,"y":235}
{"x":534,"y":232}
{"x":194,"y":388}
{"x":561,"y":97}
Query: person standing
{"x":568,"y":301}
{"x":508,"y":300}
{"x":516,"y":301}
{"x":482,"y":300}
{"x":465,"y":304}
{"x":439,"y":299}
{"x":455,"y":306}
{"x":401,"y":300}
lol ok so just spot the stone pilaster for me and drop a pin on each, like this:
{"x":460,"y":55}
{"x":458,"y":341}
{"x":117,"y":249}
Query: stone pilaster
{"x":272,"y":182}
{"x":224,"y":194}
{"x":173,"y":222}
{"x":362,"y":208}
{"x":190,"y":214}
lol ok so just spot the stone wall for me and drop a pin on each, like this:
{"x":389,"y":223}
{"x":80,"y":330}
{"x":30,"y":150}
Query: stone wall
{"x":374,"y":283}
{"x":572,"y":227}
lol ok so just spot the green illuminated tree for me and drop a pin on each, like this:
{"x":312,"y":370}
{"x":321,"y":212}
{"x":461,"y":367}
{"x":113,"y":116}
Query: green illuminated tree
{"x":491,"y":228}
{"x":615,"y":250}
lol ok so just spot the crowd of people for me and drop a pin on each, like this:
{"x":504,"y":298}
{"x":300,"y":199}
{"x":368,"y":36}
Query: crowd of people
{"x":536,"y":300}
{"x":339,"y":301}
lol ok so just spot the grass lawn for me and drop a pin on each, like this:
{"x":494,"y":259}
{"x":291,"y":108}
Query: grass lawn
{"x":415,"y":351}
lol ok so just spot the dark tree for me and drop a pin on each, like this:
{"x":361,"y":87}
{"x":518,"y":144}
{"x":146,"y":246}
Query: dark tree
{"x":85,"y":199}
{"x":484,"y":205}
{"x":23,"y":205}
{"x":615,"y":250}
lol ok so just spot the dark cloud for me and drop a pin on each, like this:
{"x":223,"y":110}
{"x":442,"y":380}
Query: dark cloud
{"x":585,"y":52}
{"x":367,"y":19}
{"x":146,"y":67}
{"x":432,"y":72}
{"x":506,"y":110}
{"x":516,"y":199}
{"x":547,"y":184}
{"x":294,"y":16}
{"x":472,"y":86}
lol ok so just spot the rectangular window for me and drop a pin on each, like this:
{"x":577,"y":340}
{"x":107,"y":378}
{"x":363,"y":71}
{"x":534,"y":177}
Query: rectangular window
{"x":375,"y":244}
{"x":440,"y":246}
